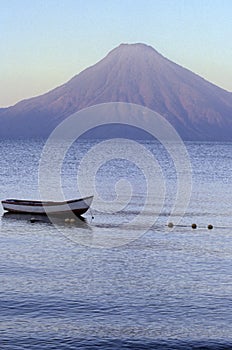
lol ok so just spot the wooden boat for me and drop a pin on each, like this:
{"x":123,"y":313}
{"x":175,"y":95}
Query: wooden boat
{"x":77,"y":206}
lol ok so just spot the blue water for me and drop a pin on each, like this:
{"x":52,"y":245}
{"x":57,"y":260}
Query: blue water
{"x":64,"y":287}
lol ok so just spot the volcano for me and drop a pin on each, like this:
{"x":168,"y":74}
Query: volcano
{"x":132,"y":73}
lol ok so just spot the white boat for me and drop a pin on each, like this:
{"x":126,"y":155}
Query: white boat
{"x":77,"y":206}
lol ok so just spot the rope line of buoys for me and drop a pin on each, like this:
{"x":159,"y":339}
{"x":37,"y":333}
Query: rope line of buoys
{"x":193,"y":226}
{"x":170,"y":225}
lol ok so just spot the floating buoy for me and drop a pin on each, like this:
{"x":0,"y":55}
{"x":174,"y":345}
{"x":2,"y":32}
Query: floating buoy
{"x":194,"y":226}
{"x":67,"y":220}
{"x":170,"y":224}
{"x":72,"y":220}
{"x":32,"y":220}
{"x":210,"y":227}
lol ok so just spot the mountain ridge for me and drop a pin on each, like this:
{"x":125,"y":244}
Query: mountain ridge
{"x":132,"y":73}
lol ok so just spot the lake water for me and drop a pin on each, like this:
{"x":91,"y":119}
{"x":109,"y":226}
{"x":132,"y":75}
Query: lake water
{"x":82,"y":286}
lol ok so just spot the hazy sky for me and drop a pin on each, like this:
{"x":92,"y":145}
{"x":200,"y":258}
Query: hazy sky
{"x":46,"y":42}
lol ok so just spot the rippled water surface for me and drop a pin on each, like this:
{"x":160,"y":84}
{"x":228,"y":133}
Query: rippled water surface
{"x":79,"y":286}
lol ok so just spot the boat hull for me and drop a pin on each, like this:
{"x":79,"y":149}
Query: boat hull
{"x":78,"y":206}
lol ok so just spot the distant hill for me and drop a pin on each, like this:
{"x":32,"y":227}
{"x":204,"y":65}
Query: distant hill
{"x":134,"y":73}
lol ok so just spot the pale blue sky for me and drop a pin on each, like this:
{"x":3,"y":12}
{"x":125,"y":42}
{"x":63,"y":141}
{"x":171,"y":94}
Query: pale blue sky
{"x":44,"y":43}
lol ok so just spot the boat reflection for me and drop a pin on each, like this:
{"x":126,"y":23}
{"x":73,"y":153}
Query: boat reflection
{"x":52,"y":220}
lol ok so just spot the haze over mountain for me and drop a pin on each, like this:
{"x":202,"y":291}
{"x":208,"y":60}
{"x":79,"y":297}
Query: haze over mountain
{"x":134,"y":73}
